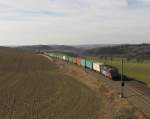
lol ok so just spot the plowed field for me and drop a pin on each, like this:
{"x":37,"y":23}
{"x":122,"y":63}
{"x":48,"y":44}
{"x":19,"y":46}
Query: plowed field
{"x":31,"y":87}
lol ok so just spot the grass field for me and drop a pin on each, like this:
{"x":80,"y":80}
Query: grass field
{"x":31,"y":87}
{"x":132,"y":69}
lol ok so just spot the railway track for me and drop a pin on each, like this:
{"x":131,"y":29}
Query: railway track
{"x":135,"y":92}
{"x":140,"y":96}
{"x":140,"y":87}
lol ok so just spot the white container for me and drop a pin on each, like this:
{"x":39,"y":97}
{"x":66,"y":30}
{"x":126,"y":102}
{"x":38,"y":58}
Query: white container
{"x":64,"y":57}
{"x":96,"y":66}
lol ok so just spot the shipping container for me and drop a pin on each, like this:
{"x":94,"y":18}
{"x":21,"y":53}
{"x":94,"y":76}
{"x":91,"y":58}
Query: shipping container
{"x":82,"y":62}
{"x":67,"y":58}
{"x":96,"y":66}
{"x":70,"y":59}
{"x":61,"y":57}
{"x":74,"y":60}
{"x":64,"y":57}
{"x":89,"y":64}
{"x":78,"y":60}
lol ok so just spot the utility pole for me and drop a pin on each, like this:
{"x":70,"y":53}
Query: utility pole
{"x":85,"y":64}
{"x":111,"y":59}
{"x":122,"y":79}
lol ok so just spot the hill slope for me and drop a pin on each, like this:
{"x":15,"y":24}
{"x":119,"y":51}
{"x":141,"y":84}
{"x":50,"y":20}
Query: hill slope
{"x":142,"y":50}
{"x":54,"y":48}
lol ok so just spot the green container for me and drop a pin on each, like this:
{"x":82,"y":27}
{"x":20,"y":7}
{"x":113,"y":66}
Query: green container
{"x":82,"y":62}
{"x":89,"y":64}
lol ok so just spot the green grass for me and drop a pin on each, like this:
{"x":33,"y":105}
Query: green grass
{"x":132,"y":69}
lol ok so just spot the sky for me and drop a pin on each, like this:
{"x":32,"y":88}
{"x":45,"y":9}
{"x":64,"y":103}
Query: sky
{"x":72,"y":22}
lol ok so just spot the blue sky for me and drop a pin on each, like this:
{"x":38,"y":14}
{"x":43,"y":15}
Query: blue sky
{"x":26,"y":22}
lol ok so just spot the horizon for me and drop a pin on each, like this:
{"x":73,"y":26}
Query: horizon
{"x":75,"y":45}
{"x":73,"y":22}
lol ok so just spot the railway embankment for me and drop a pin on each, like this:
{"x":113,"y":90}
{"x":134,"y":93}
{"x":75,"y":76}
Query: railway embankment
{"x":115,"y":107}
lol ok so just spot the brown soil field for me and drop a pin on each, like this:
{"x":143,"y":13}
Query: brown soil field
{"x":32,"y":87}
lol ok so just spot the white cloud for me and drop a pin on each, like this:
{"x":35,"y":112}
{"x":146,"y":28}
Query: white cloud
{"x":147,"y":2}
{"x":72,"y":22}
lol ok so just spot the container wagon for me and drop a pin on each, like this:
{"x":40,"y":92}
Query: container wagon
{"x":74,"y":60}
{"x":82,"y":62}
{"x":70,"y":59}
{"x":78,"y":60}
{"x":89,"y":64}
{"x":97,"y":66}
{"x":64,"y":57}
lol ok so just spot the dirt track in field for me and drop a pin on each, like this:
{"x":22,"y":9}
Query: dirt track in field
{"x":31,"y":87}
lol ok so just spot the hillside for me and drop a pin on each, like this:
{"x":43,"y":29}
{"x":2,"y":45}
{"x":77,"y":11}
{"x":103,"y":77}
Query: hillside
{"x":52,"y":48}
{"x":142,"y":50}
{"x":91,"y":46}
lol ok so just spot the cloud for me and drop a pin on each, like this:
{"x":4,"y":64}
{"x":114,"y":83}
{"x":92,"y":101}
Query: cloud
{"x":146,"y":2}
{"x":135,"y":2}
{"x":74,"y":21}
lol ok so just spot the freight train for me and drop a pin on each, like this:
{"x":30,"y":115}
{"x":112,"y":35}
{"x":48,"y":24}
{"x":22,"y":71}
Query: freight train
{"x":106,"y":70}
